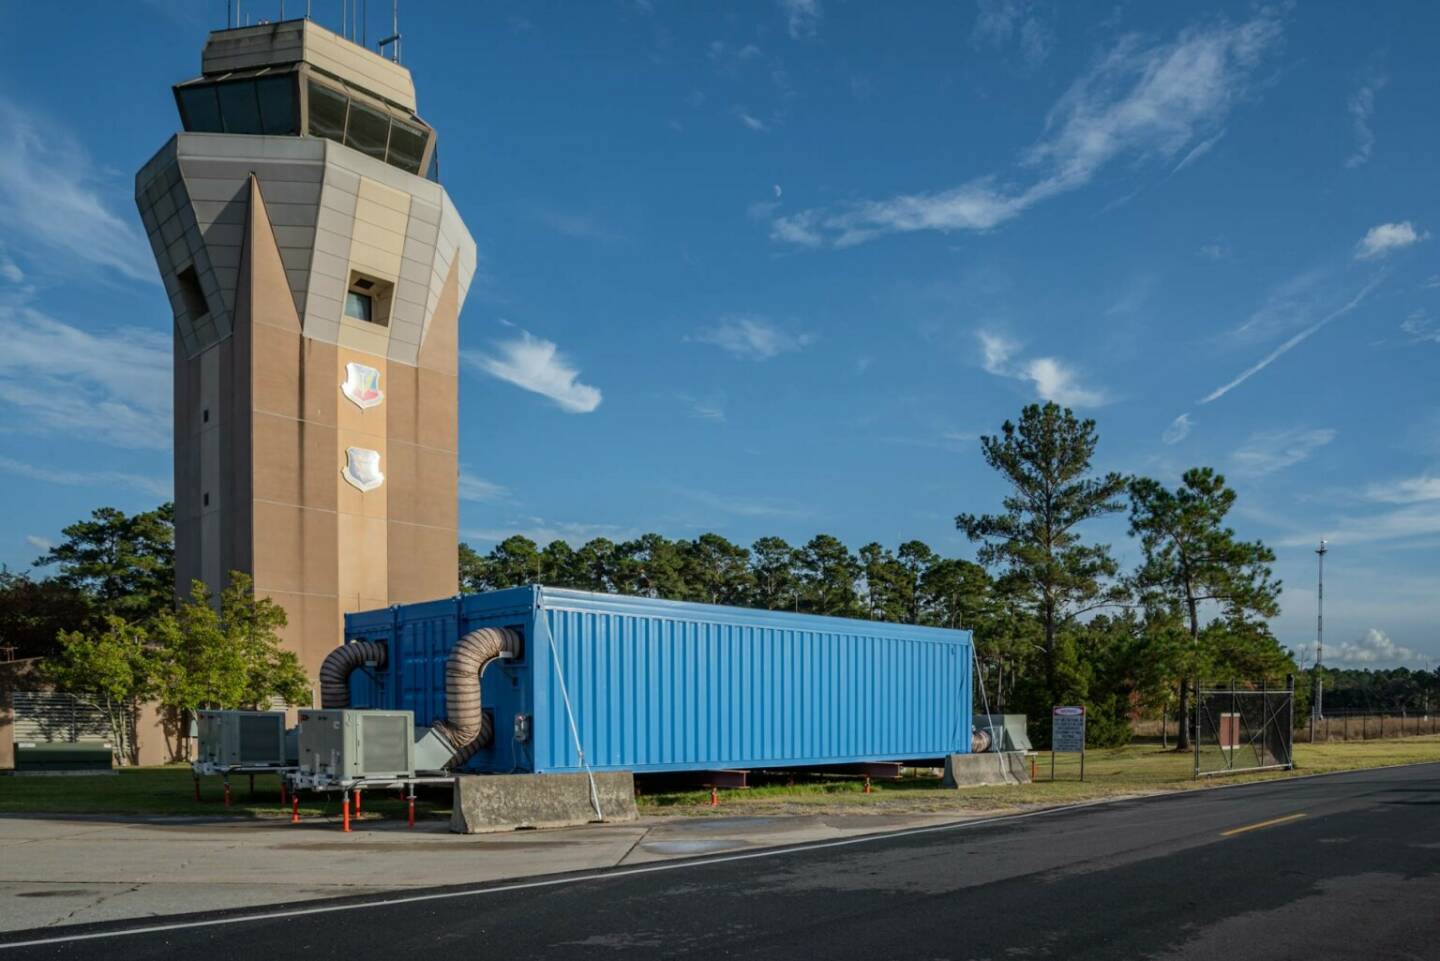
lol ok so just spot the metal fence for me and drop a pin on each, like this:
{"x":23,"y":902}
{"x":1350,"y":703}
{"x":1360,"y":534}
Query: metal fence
{"x":1348,"y":725}
{"x":1243,"y":728}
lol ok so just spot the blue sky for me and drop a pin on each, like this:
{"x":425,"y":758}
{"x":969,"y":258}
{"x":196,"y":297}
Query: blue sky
{"x":773,"y":267}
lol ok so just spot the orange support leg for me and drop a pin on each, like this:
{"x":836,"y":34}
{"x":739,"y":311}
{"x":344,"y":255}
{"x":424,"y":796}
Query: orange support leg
{"x":294,"y":808}
{"x":345,"y":812}
{"x":227,"y":792}
{"x":412,"y":807}
{"x":357,"y":802}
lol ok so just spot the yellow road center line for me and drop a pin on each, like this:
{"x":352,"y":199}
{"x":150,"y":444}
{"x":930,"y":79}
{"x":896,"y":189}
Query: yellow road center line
{"x":1263,"y":824}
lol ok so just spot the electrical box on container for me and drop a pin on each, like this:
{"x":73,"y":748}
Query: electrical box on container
{"x":346,"y":744}
{"x":242,"y":739}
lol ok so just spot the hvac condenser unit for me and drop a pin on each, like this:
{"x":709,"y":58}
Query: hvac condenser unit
{"x":347,"y":744}
{"x":1009,"y":731}
{"x":242,"y":738}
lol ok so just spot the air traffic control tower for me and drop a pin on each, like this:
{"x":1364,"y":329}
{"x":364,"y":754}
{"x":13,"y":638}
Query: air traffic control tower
{"x":316,"y":270}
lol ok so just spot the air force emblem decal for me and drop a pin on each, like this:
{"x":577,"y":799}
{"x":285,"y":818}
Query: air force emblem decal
{"x":362,"y":385}
{"x":362,"y":468}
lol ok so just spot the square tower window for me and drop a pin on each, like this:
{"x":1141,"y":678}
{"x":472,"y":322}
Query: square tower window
{"x":368,"y":299}
{"x":191,"y":294}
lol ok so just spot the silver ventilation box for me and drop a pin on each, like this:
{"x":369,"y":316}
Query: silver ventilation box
{"x":343,"y":745}
{"x":241,"y":738}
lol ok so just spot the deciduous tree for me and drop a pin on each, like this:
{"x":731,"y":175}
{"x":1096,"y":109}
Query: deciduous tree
{"x":111,"y":667}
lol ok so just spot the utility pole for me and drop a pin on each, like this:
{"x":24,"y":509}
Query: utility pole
{"x":1317,"y":708}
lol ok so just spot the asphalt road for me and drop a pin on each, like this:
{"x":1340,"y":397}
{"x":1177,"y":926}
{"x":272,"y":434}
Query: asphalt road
{"x":1345,"y":866}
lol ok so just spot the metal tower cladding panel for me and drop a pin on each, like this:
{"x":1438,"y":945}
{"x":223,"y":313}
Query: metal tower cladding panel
{"x":668,"y":686}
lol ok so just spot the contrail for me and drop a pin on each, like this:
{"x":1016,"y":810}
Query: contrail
{"x":1271,"y":357}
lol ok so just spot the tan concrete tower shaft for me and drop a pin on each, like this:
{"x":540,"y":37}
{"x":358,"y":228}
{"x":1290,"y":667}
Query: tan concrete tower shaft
{"x":316,"y":280}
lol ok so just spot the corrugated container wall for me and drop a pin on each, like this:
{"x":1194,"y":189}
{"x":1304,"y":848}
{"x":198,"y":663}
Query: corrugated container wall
{"x":668,"y":686}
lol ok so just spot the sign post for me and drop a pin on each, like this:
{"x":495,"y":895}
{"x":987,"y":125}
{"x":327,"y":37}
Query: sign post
{"x":1067,"y":735}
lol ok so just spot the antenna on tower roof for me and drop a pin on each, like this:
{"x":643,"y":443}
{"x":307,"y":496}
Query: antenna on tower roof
{"x":392,"y":41}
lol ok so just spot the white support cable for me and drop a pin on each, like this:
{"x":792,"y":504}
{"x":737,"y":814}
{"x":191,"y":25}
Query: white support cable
{"x":989,"y":718}
{"x":574,"y":731}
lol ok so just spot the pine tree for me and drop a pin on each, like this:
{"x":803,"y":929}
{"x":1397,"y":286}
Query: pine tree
{"x":1044,"y":564}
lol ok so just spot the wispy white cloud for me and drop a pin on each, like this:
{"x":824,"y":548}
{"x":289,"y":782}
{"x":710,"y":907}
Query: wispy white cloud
{"x":51,"y":196}
{"x":753,"y":337}
{"x":1420,"y":327}
{"x":1293,"y":342}
{"x":110,"y":386}
{"x":1198,"y":151}
{"x":1403,"y":523}
{"x":750,"y":120}
{"x":537,"y":365}
{"x":1374,"y":648}
{"x":542,"y":532}
{"x":1385,"y":238}
{"x":473,"y":488}
{"x":802,"y":17}
{"x":1409,"y":490}
{"x":1266,"y":453}
{"x":1052,"y":378}
{"x":947,"y":440}
{"x":1140,"y":100}
{"x":705,"y":408}
{"x":10,"y":270}
{"x":747,"y":506}
{"x":1178,"y":430}
{"x":86,"y":478}
{"x":1362,"y":108}
{"x":1218,"y":249}
{"x":579,"y":227}
{"x":1289,"y":305}
{"x":1055,"y":380}
{"x":41,"y":544}
{"x":1000,"y":22}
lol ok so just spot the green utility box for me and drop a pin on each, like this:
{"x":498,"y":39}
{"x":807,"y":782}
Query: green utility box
{"x":63,"y":756}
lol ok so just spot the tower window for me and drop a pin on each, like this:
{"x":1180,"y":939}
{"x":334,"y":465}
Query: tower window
{"x":199,"y":110}
{"x":191,"y":293}
{"x":239,"y":107}
{"x":327,"y":112}
{"x":277,"y":104}
{"x":360,"y":306}
{"x":368,"y":131}
{"x":368,"y":299}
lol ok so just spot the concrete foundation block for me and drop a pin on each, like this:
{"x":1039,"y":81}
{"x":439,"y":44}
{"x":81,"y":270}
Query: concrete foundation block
{"x":504,"y":802}
{"x":1003,"y":767}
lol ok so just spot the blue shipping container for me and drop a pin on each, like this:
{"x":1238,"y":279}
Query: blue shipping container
{"x":669,"y":686}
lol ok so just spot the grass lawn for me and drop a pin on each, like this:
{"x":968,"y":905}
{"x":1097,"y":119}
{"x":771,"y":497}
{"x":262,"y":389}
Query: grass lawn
{"x":1136,"y":769}
{"x":170,"y":790}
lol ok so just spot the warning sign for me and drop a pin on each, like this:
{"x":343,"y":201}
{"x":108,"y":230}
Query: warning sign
{"x":1067,"y":730}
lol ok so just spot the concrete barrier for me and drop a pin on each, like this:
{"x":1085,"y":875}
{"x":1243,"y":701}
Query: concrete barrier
{"x":970,"y":770}
{"x":503,"y":802}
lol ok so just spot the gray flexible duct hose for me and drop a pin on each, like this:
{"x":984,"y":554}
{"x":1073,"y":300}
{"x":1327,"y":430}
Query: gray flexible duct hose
{"x":465,"y":726}
{"x":979,"y":740}
{"x":340,"y":664}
